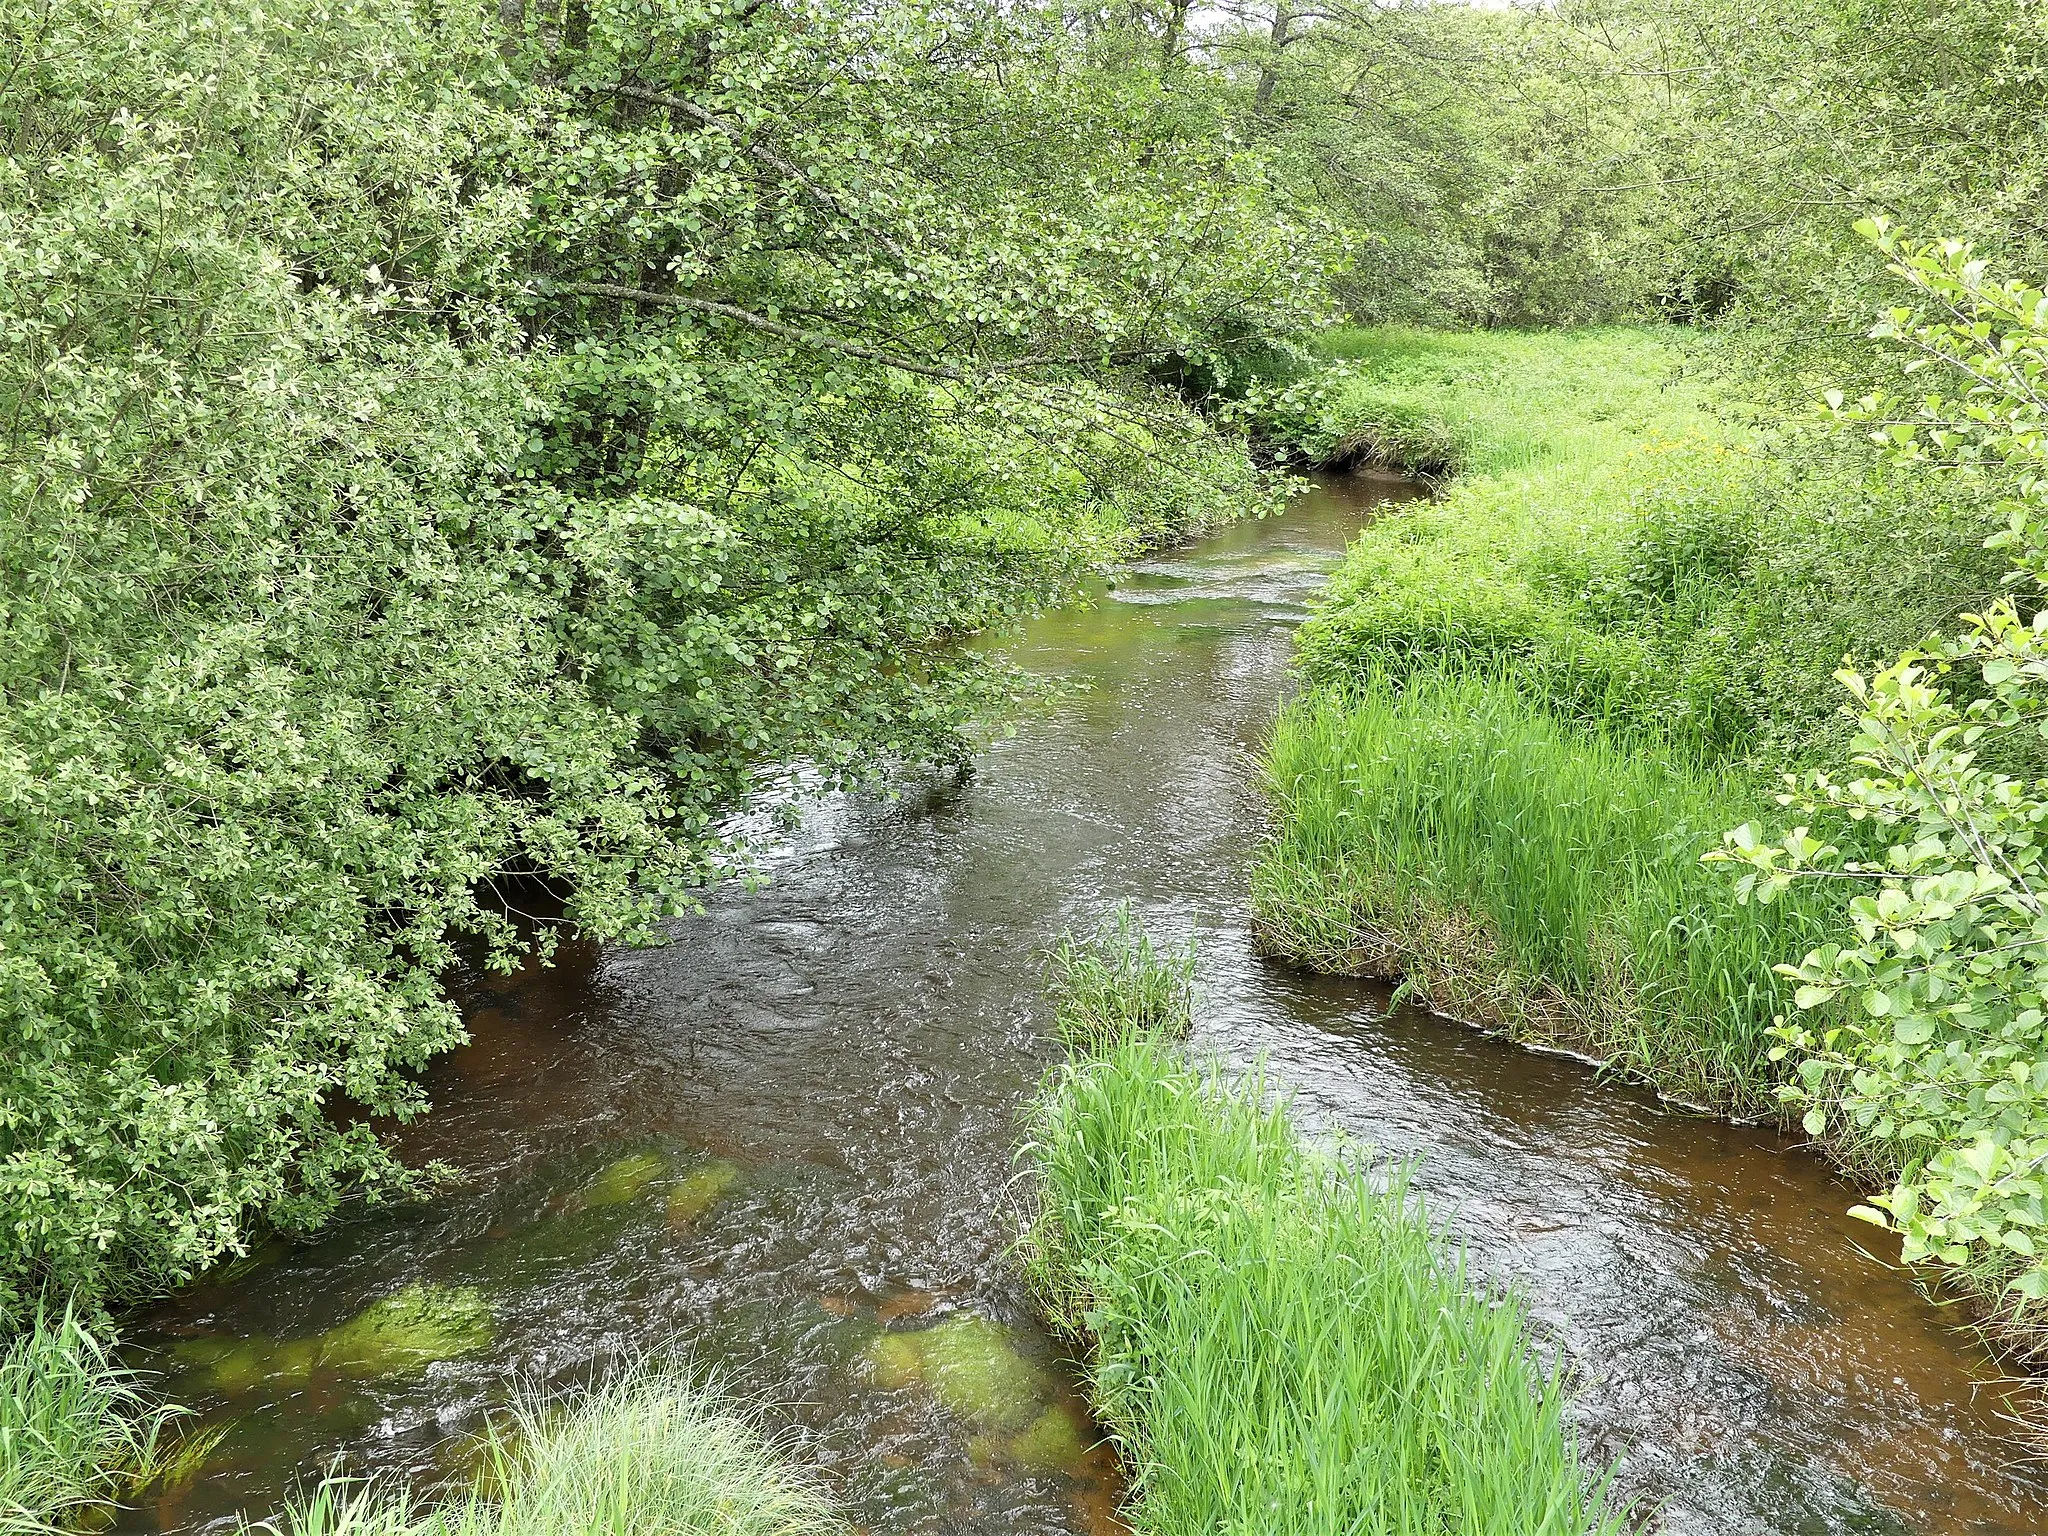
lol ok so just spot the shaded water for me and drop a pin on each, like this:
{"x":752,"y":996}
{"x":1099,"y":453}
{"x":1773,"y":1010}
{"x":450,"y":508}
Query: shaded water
{"x":783,"y":1145}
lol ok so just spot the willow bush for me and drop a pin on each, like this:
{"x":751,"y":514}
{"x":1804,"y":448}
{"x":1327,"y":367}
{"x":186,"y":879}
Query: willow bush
{"x":442,"y":447}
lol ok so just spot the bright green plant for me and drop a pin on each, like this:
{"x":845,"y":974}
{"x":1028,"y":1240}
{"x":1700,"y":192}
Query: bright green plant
{"x":1276,"y":1338}
{"x":75,"y":1427}
{"x":646,"y":1452}
{"x":1117,"y":981}
{"x":1924,"y":1044}
{"x":1525,"y":874}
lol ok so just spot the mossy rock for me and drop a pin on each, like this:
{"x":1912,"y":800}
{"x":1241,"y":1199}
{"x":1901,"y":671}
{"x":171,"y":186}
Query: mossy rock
{"x":400,"y":1335}
{"x":1054,"y":1441}
{"x":971,"y":1365}
{"x":622,"y":1182}
{"x":406,"y":1332}
{"x":698,"y":1190}
{"x":234,"y":1366}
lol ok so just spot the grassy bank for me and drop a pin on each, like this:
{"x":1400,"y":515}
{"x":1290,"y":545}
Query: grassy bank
{"x":1527,"y":875}
{"x":1533,"y":703}
{"x":1625,"y":544}
{"x":1277,"y":1340}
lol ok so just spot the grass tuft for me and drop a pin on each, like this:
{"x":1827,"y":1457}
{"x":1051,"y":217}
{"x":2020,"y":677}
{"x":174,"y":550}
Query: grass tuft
{"x":75,"y":1427}
{"x":1279,"y":1342}
{"x":648,"y":1454}
{"x":1116,"y":982}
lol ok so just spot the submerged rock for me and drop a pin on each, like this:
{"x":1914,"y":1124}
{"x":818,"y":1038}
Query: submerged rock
{"x":621,"y":1182}
{"x":698,"y":1190}
{"x":971,"y":1365}
{"x":401,"y":1335}
{"x":1057,"y":1440}
{"x":408,"y":1331}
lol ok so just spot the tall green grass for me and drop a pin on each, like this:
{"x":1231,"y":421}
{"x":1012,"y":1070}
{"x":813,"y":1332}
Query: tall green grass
{"x":75,"y":1427}
{"x":1278,"y":1341}
{"x":1497,"y":403}
{"x":1529,"y":875}
{"x":648,"y":1454}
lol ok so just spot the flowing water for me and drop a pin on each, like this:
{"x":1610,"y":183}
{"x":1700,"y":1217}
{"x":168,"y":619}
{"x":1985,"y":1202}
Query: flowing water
{"x":782,"y":1147}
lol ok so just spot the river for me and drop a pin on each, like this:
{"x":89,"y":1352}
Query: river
{"x":790,"y":1134}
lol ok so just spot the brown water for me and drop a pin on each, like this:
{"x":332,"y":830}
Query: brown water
{"x":782,"y":1146}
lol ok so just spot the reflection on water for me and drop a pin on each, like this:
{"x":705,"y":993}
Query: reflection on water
{"x":782,"y":1147}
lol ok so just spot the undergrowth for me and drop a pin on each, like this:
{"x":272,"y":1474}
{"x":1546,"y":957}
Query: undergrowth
{"x":1278,"y":1341}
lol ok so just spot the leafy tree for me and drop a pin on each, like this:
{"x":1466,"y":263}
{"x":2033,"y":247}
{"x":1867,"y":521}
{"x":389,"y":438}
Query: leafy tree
{"x":445,"y":448}
{"x":1491,"y":166}
{"x":1788,"y":120}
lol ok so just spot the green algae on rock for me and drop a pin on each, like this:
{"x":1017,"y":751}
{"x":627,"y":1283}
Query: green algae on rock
{"x":408,"y":1331}
{"x":698,"y":1190}
{"x":971,"y":1365}
{"x":621,"y":1182}
{"x":400,"y":1335}
{"x":1058,"y":1440}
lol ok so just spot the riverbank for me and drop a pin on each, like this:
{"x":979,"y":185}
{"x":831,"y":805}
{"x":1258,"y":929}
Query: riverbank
{"x":1532,"y":705}
{"x":646,"y":1452}
{"x":1276,"y":1338}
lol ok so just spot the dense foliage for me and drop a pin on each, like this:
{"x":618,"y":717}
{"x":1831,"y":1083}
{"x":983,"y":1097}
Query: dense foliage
{"x":449,"y":449}
{"x":1490,"y":165}
{"x":1938,"y":1071}
{"x":1796,"y":118}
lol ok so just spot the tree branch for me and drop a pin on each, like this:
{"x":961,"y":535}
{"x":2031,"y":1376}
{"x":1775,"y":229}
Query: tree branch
{"x":762,"y":153}
{"x":853,"y":348}
{"x":763,"y":323}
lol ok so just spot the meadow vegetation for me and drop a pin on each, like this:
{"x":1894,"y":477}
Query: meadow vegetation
{"x":1275,"y":1336}
{"x":1539,"y":706}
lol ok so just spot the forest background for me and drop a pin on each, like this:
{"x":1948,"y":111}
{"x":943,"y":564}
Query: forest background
{"x":454,"y":455}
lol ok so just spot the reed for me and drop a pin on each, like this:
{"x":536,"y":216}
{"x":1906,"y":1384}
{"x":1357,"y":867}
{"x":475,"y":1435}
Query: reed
{"x":1278,"y":1341}
{"x":75,"y":1427}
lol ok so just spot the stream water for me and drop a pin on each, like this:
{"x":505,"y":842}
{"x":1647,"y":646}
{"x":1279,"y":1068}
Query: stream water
{"x":782,"y":1147}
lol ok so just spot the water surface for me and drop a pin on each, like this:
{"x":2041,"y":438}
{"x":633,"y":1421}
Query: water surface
{"x":783,"y":1146}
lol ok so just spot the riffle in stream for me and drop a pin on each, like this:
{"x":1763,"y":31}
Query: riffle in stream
{"x":783,"y":1147}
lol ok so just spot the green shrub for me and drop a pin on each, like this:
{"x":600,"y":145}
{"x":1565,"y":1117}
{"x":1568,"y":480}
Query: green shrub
{"x":378,"y":545}
{"x":1922,"y":1046}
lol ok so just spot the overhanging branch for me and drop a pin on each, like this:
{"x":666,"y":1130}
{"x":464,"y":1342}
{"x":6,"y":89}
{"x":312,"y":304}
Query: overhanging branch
{"x":763,"y":323}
